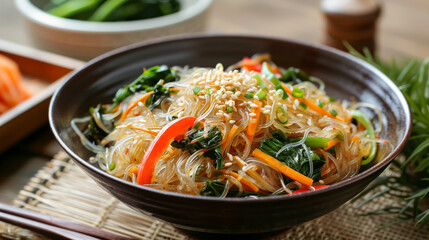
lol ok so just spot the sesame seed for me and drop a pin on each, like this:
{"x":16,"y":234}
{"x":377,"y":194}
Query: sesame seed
{"x":252,"y":105}
{"x":140,"y":104}
{"x":234,"y":97}
{"x":252,"y":114}
{"x":227,"y":116}
{"x":231,"y":121}
{"x":300,"y":115}
{"x":266,"y":111}
{"x":220,"y":106}
{"x":228,"y":164}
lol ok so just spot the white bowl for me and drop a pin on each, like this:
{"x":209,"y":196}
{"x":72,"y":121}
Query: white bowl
{"x":85,"y":40}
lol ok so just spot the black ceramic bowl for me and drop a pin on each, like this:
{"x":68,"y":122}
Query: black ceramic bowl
{"x":345,"y":77}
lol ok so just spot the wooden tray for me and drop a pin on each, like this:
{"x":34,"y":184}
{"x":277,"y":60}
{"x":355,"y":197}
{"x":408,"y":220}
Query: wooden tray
{"x":43,"y":73}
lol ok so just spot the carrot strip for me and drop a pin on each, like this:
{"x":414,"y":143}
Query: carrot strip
{"x":354,"y":138}
{"x":243,"y":180}
{"x":175,"y":89}
{"x":285,"y":170}
{"x":130,"y":107}
{"x":332,"y":143}
{"x":324,"y":170}
{"x":253,"y":123}
{"x":229,"y":137}
{"x":311,"y":105}
{"x":146,"y":130}
{"x":134,"y":170}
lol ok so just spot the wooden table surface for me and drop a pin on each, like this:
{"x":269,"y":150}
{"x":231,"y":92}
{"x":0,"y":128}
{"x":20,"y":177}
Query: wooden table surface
{"x":403,"y":32}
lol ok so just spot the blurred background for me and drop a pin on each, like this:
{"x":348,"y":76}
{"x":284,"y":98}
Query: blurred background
{"x":402,"y":26}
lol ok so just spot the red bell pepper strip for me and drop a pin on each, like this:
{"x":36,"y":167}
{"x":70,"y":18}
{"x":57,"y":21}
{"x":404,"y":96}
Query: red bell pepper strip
{"x":158,"y":146}
{"x":306,"y":189}
{"x":251,"y":65}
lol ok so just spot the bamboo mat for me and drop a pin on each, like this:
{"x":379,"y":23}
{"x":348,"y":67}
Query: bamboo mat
{"x":61,"y":189}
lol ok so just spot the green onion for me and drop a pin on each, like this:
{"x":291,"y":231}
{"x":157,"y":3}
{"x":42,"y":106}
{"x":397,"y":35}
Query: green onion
{"x":303,"y":105}
{"x":196,"y":90}
{"x":364,"y":120}
{"x":297,"y":92}
{"x":285,"y":95}
{"x":112,"y":166}
{"x":314,"y":142}
{"x":208,"y":91}
{"x":281,"y":116}
{"x":249,"y":95}
{"x":234,"y":90}
{"x":261,"y":94}
{"x":332,"y":99}
{"x":230,"y":109}
{"x":334,"y":112}
{"x":259,"y":81}
{"x":197,"y":125}
{"x":320,"y":104}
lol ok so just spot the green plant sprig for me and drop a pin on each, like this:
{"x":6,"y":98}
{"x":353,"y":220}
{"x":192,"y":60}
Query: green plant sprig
{"x":411,"y":183}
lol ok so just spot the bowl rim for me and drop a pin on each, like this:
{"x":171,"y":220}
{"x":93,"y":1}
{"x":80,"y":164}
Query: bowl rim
{"x":169,"y":39}
{"x":36,"y":15}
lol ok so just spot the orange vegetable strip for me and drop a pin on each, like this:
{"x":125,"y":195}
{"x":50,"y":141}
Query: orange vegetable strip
{"x":254,"y":175}
{"x":253,"y":122}
{"x":134,"y":170}
{"x":146,"y":130}
{"x":175,"y":89}
{"x":332,"y":143}
{"x":311,"y":105}
{"x":229,"y":137}
{"x":130,"y":107}
{"x":354,"y":138}
{"x":243,"y":180}
{"x":324,"y":170}
{"x":11,"y":68}
{"x":159,"y":145}
{"x":285,"y":170}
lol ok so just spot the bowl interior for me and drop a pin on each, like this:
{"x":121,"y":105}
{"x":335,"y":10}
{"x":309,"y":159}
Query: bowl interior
{"x":345,"y":77}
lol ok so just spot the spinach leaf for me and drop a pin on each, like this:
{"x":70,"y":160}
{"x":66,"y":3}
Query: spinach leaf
{"x":197,"y":141}
{"x":93,"y":132}
{"x":215,"y":188}
{"x":295,"y":75}
{"x":147,"y":79}
{"x":294,"y":157}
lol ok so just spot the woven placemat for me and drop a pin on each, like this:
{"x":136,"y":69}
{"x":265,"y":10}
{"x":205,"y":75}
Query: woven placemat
{"x":63,"y":190}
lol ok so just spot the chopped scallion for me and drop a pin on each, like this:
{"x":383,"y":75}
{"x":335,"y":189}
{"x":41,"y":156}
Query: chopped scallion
{"x":285,"y":95}
{"x":332,"y":99}
{"x":196,"y":90}
{"x":303,"y":105}
{"x":320,"y":104}
{"x":297,"y":92}
{"x":208,"y":91}
{"x":249,"y":95}
{"x":259,"y":81}
{"x":334,"y":112}
{"x":261,"y":94}
{"x":197,"y":125}
{"x":230,"y":109}
{"x":283,"y":118}
{"x":112,"y":166}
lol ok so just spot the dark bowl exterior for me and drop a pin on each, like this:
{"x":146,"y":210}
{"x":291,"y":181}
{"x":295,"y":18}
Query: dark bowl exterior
{"x":345,"y":77}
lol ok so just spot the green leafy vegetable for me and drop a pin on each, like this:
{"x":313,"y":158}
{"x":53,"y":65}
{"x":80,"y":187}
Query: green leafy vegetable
{"x":249,"y":95}
{"x":297,"y":92}
{"x":148,"y":79}
{"x":93,"y":132}
{"x":211,"y":144}
{"x":294,"y":157}
{"x":111,"y":10}
{"x":295,"y":75}
{"x":196,"y":90}
{"x":410,"y":185}
{"x":215,"y":188}
{"x":282,"y":118}
{"x":364,"y":120}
